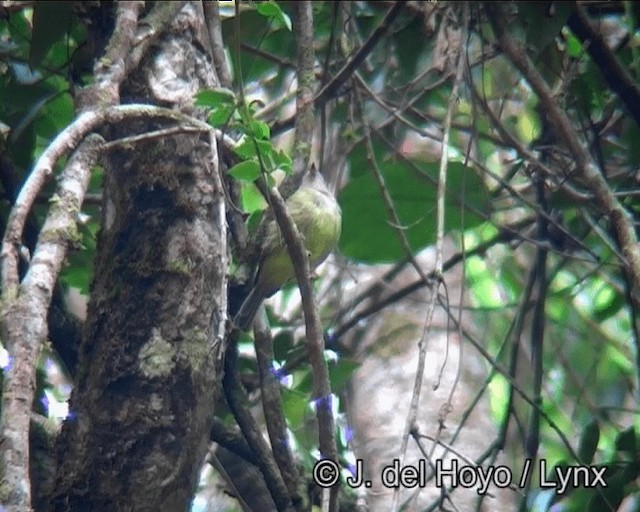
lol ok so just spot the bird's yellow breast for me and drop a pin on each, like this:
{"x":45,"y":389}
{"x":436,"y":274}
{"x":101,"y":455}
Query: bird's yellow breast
{"x":318,"y":218}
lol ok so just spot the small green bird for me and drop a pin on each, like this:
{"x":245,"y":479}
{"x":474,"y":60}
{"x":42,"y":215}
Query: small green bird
{"x":318,"y":218}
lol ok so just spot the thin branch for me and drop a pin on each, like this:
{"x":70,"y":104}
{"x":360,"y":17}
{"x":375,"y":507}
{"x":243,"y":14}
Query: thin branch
{"x":147,"y":136}
{"x":506,"y":235}
{"x":276,"y":59}
{"x":532,"y":440}
{"x":220,"y":136}
{"x":232,"y":440}
{"x":214,"y":28}
{"x":462,"y":63}
{"x":315,"y":342}
{"x":303,"y":27}
{"x":503,"y":184}
{"x":236,"y":399}
{"x":448,"y":447}
{"x":586,"y":169}
{"x":515,"y":333}
{"x":329,"y":90}
{"x":66,"y":141}
{"x":374,"y":290}
{"x":273,"y":409}
{"x":526,"y":154}
{"x":504,"y":372}
{"x":217,"y":338}
{"x":305,"y":60}
{"x":24,"y":323}
{"x":616,"y":76}
{"x":394,"y":220}
{"x":111,"y":69}
{"x":213,"y":458}
{"x":438,"y":270}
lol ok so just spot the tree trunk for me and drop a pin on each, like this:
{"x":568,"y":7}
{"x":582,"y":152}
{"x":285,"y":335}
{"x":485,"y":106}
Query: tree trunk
{"x":150,"y":364}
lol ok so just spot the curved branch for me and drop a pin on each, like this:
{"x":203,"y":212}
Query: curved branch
{"x":111,"y":70}
{"x":66,"y":141}
{"x":273,"y":409}
{"x":410,"y":422}
{"x":236,"y":399}
{"x":305,"y":58}
{"x":394,"y":220}
{"x":315,"y":342}
{"x":301,"y":152}
{"x":232,"y":440}
{"x":24,"y":323}
{"x":586,"y":169}
{"x":612,"y":71}
{"x":329,"y":90}
{"x":214,"y":28}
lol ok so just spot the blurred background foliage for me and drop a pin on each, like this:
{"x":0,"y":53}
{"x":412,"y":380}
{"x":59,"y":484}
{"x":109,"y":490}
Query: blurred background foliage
{"x":496,"y":197}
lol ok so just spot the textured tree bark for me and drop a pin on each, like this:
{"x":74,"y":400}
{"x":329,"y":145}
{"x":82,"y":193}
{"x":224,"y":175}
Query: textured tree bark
{"x":150,"y":362}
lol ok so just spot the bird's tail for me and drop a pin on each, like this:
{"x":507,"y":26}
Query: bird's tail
{"x":246,"y":313}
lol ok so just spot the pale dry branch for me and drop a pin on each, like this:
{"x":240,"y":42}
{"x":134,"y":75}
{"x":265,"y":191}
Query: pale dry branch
{"x":24,"y":323}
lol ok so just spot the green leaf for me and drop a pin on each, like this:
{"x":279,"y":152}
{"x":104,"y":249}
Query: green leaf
{"x":577,"y":501}
{"x":249,"y":170}
{"x":574,"y":46}
{"x":76,"y":277}
{"x":247,"y":148}
{"x":272,"y":11}
{"x":367,"y":234}
{"x":20,"y":29}
{"x":610,"y":497}
{"x":283,"y":161}
{"x":630,"y":136}
{"x":626,"y":440}
{"x":260,"y":130}
{"x":607,"y":303}
{"x":341,"y":372}
{"x":409,"y":53}
{"x":252,"y":199}
{"x":295,"y":407}
{"x":282,"y":344}
{"x":541,"y":25}
{"x":250,"y":148}
{"x":220,"y":116}
{"x":255,"y":30}
{"x":79,"y":271}
{"x":216,"y":98}
{"x":56,"y":116}
{"x":51,"y":21}
{"x":589,"y":442}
